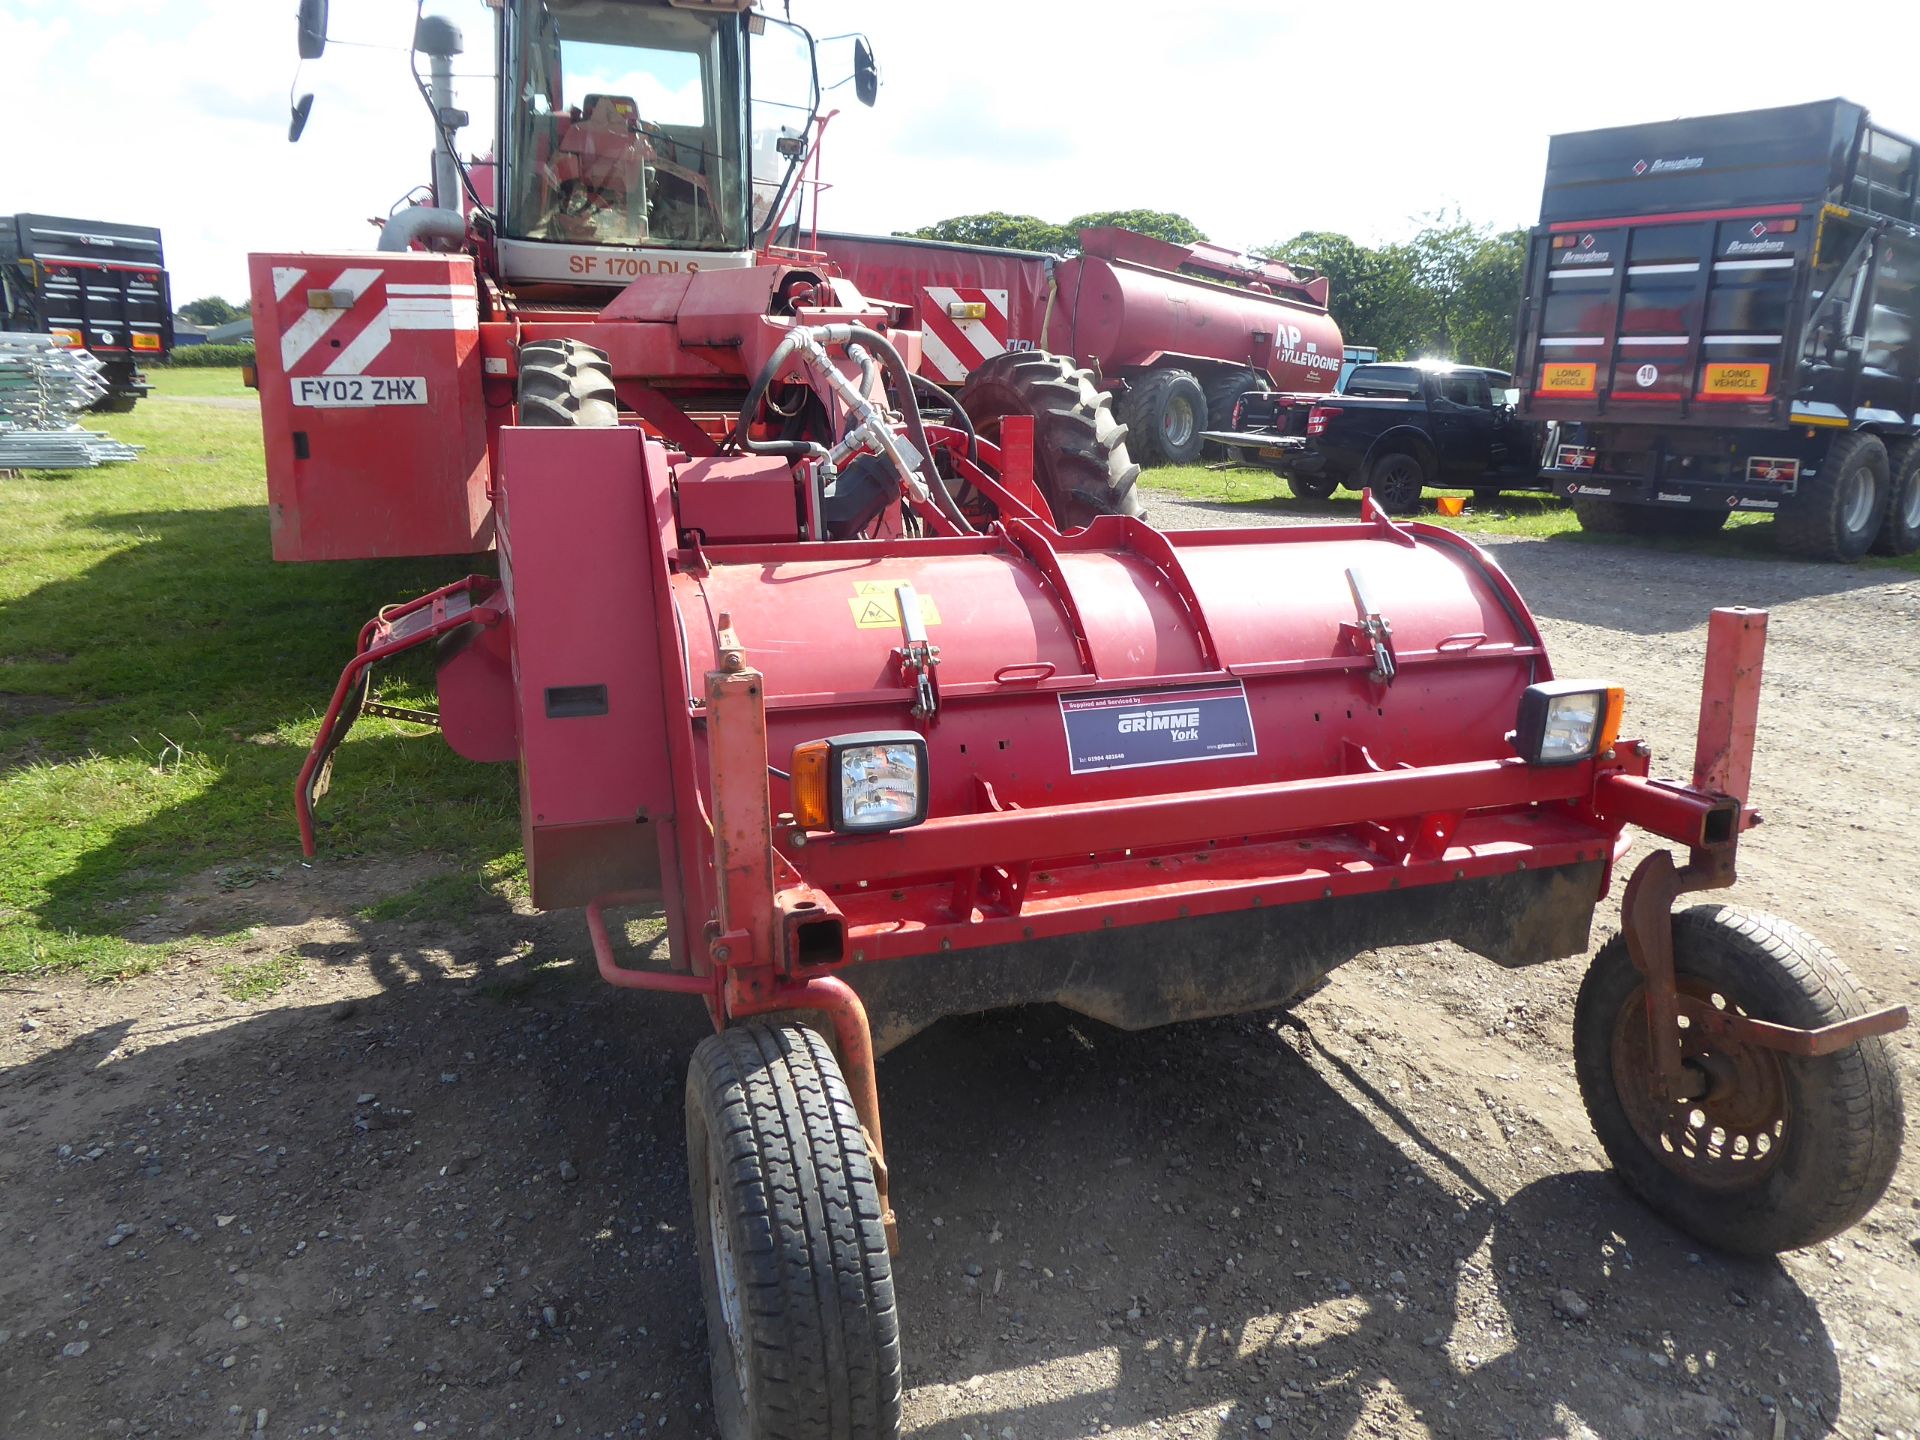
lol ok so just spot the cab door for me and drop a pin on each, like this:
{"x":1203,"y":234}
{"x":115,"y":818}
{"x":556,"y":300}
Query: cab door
{"x":1464,"y":423}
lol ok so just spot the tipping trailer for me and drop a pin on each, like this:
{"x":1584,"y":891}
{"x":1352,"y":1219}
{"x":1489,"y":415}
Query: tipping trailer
{"x":1178,"y":332}
{"x":92,"y":285}
{"x":1723,"y":313}
{"x":895,"y":720}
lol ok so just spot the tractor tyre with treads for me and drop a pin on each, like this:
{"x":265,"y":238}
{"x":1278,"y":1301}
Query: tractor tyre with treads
{"x":1222,"y":391}
{"x":1900,"y":531}
{"x":802,"y":1330}
{"x":1080,"y":459}
{"x":1164,"y":412}
{"x":1837,"y":514}
{"x":563,"y":382}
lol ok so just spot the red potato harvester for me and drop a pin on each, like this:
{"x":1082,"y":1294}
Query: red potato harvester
{"x":896,"y":721}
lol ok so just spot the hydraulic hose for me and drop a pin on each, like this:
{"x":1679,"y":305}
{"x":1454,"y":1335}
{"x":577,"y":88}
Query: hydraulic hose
{"x":916,"y":428}
{"x":761,"y":383}
{"x":948,"y":399}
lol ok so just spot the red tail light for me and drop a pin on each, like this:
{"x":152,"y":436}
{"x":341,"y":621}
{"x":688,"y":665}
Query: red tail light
{"x":1239,"y":410}
{"x":1317,"y":419}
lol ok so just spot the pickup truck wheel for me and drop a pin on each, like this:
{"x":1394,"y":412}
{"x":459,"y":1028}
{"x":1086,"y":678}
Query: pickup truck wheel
{"x":1837,"y":514}
{"x":1900,"y":531}
{"x":1164,"y":412}
{"x":1396,"y":480}
{"x":802,"y":1329}
{"x":1315,"y":487}
{"x":1080,"y":455}
{"x":1773,"y":1151}
{"x":1222,"y":391}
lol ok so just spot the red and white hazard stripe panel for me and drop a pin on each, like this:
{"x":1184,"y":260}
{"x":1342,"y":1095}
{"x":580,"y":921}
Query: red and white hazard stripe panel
{"x":960,"y":326}
{"x":364,"y":310}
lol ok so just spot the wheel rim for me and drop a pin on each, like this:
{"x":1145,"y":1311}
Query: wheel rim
{"x":1910,"y":504}
{"x":1400,"y":480}
{"x":726,"y":1277}
{"x":1729,"y":1138}
{"x":1176,"y":422}
{"x":1856,"y":499}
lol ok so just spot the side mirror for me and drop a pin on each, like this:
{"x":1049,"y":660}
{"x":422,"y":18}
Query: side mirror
{"x":866,"y":74}
{"x":301,"y":109}
{"x":313,"y":29}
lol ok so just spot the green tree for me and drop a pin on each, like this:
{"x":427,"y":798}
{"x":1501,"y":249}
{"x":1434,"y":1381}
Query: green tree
{"x":212,"y":310}
{"x":999,"y":230}
{"x":1028,"y":232}
{"x":1161,"y":224}
{"x":1449,"y":293}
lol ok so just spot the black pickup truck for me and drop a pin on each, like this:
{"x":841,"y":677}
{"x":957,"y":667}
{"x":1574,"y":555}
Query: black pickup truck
{"x":1393,"y":428}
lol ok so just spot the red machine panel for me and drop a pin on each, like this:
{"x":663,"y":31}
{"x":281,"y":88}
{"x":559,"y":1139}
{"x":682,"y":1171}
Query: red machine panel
{"x":371,"y":402}
{"x":738,"y":498}
{"x":594,"y":778}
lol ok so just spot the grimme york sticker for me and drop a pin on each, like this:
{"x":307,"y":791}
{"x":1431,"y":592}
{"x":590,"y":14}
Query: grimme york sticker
{"x":1156,"y":727}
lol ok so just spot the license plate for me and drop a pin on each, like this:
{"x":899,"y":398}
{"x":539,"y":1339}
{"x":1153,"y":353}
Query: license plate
{"x":1269,"y":452}
{"x":345,"y":392}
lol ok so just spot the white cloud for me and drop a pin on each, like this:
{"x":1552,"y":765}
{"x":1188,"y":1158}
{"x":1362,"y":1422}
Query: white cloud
{"x":1254,"y":122}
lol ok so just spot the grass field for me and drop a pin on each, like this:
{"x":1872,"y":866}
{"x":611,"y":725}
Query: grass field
{"x":160,"y":678}
{"x":1522,"y":513}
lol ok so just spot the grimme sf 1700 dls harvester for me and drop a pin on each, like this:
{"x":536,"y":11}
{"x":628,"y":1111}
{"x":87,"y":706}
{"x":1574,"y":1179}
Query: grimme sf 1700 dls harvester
{"x":895,"y":722}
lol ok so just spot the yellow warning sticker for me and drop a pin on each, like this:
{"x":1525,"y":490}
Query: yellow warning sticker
{"x":1736,"y":379}
{"x":876,"y":605}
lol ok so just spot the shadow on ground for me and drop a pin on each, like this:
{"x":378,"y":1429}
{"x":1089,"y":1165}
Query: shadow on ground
{"x":187,"y":661}
{"x":461,"y":1203}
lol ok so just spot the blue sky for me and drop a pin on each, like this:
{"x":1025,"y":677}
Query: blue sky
{"x":1253,"y":120}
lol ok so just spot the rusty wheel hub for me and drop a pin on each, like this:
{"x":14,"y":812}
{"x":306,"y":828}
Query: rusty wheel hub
{"x":1728,"y":1132}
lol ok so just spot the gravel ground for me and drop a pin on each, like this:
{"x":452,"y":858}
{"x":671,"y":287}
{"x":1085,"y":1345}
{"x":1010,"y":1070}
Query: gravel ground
{"x":436,"y":1186}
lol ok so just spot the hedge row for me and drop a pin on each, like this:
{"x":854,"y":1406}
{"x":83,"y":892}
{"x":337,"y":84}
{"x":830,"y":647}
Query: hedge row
{"x":211,"y":356}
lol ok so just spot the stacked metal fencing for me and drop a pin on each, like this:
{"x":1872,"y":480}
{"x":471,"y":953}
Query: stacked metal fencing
{"x":44,"y":388}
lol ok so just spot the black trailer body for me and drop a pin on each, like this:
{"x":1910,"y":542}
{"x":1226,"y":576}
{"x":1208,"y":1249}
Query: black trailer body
{"x":92,"y":285}
{"x":1723,"y":313}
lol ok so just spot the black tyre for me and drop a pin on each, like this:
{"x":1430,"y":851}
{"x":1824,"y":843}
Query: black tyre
{"x":1164,"y":412}
{"x":1602,"y":517}
{"x":1222,"y":390}
{"x":1397,"y":480}
{"x":1837,"y":514}
{"x":1781,"y":1151}
{"x":1312,"y":487}
{"x":1080,"y":459}
{"x":801,"y":1326}
{"x":1900,"y":531}
{"x":563,"y":382}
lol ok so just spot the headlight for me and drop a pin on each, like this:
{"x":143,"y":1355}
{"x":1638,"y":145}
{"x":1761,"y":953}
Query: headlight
{"x":1564,"y":721}
{"x":856,"y":783}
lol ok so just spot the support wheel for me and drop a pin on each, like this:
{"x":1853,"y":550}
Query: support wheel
{"x":801,"y":1327}
{"x":1397,"y":480}
{"x":1900,"y":531}
{"x":1837,"y":514}
{"x":563,"y":382}
{"x":1312,"y":487}
{"x":1080,"y":459}
{"x":1164,"y":412}
{"x":1778,"y":1151}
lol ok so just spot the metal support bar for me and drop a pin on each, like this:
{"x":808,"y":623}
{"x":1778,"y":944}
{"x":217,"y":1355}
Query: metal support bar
{"x":1646,"y":919}
{"x":742,"y":812}
{"x":1730,"y":704}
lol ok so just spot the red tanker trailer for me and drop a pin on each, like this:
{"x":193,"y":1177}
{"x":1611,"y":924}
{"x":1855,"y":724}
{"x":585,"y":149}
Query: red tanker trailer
{"x":897,"y":720}
{"x":1178,"y":331}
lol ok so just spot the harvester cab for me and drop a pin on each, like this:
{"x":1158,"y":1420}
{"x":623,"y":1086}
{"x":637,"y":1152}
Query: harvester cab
{"x":897,"y":708}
